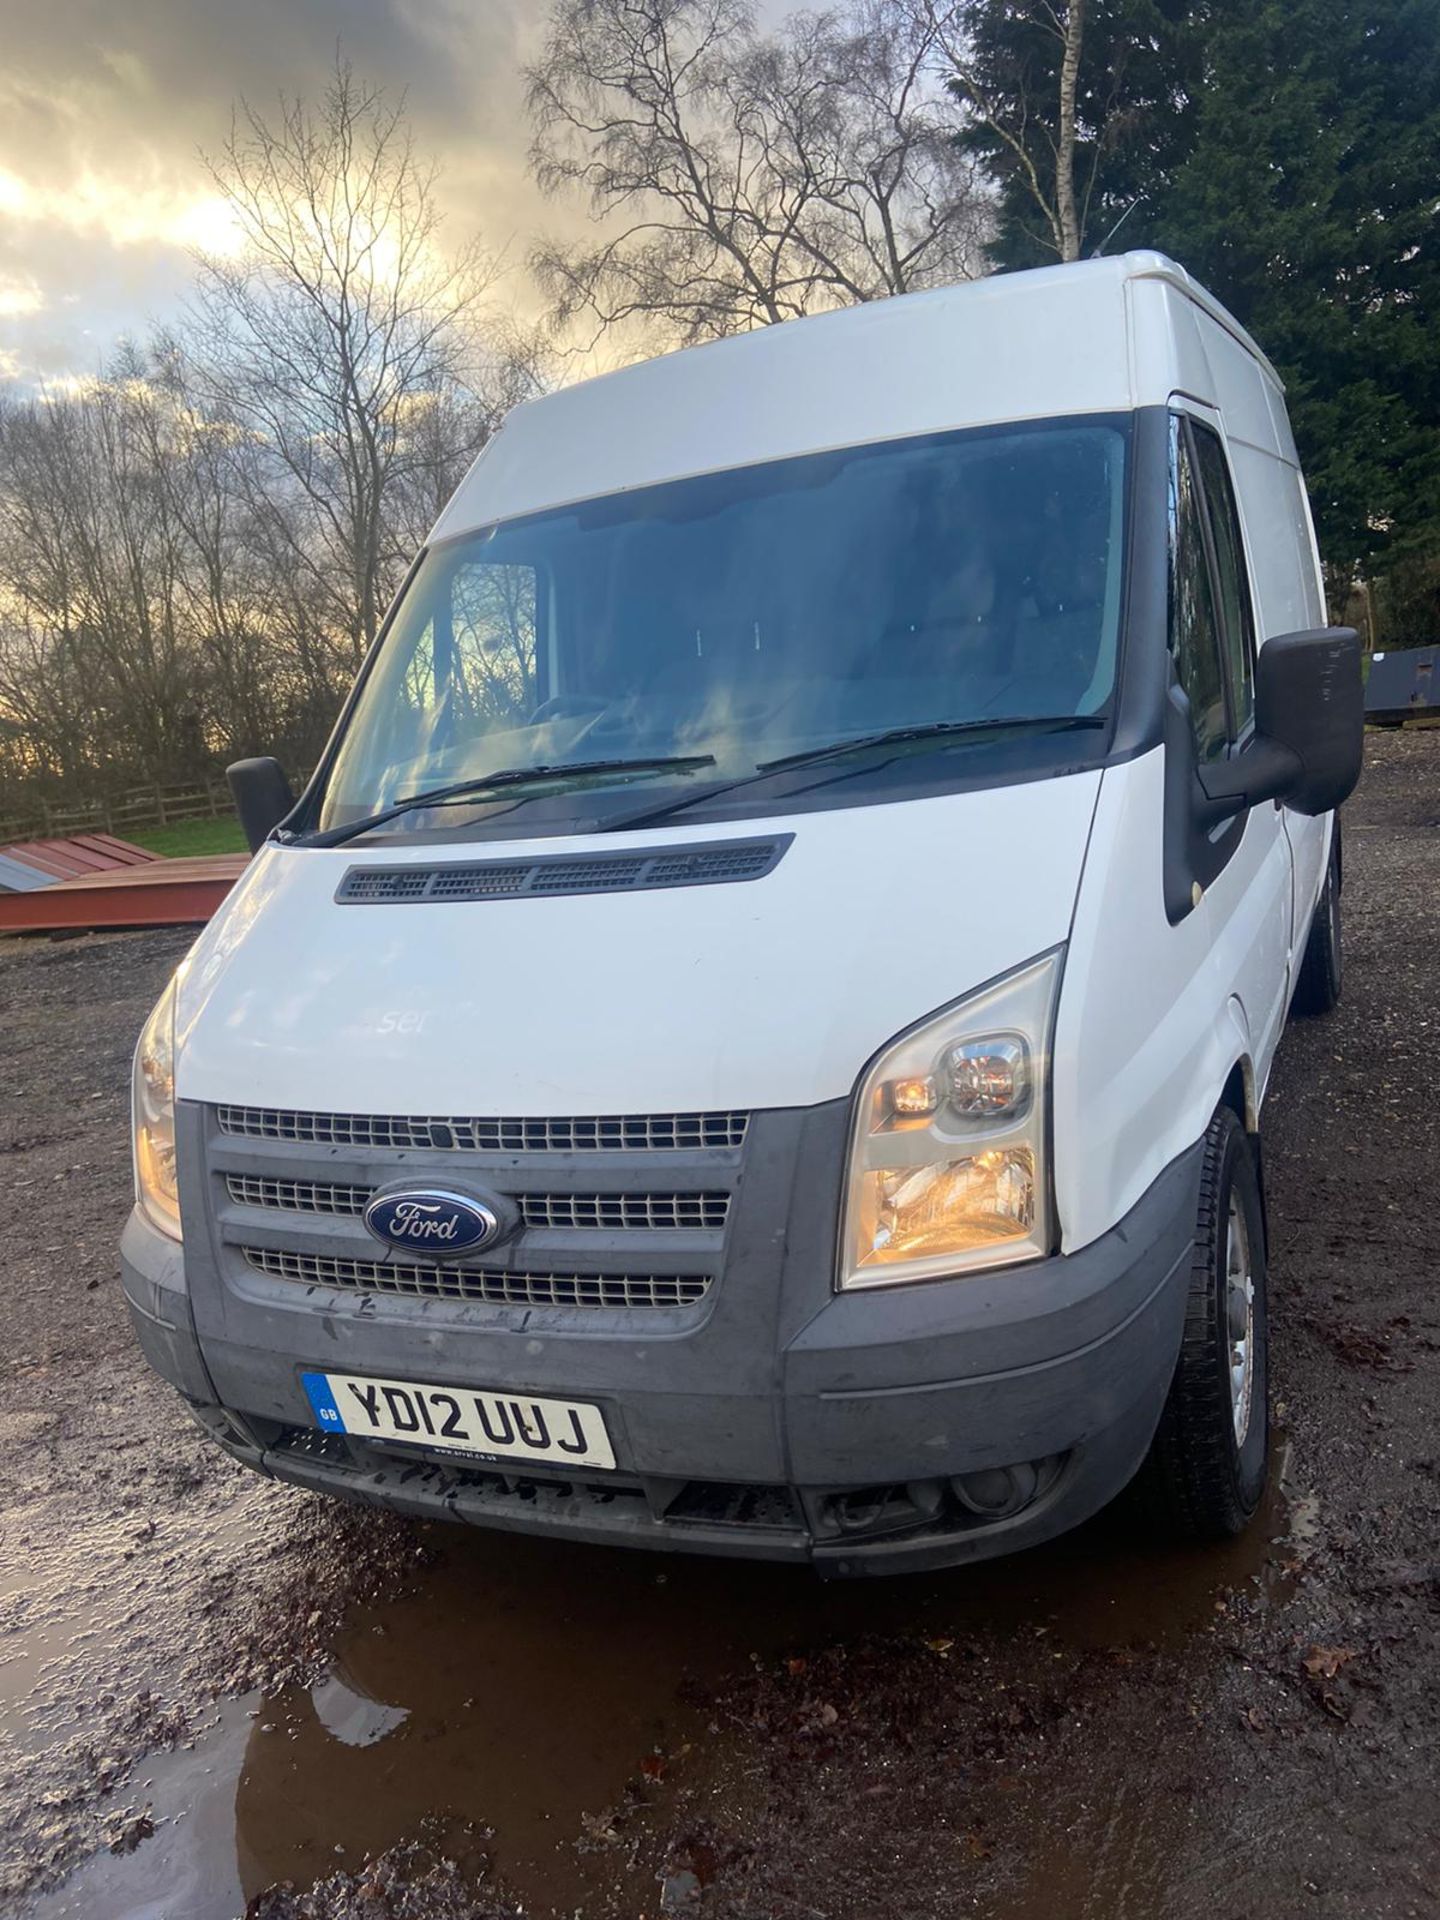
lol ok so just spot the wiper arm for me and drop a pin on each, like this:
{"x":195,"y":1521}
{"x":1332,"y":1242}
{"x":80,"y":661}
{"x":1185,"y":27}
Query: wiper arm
{"x":925,"y":730}
{"x":495,"y":782}
{"x":836,"y":749}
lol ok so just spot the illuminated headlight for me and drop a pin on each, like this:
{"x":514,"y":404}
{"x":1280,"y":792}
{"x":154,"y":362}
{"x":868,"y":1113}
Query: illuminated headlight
{"x":948,"y":1169}
{"x":152,"y":1108}
{"x":986,"y":1078}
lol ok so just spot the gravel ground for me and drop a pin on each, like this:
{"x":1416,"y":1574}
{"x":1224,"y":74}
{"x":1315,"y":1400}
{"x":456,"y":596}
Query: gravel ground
{"x":142,"y":1574}
{"x":259,"y":1701}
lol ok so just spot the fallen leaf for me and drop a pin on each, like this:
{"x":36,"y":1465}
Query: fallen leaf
{"x":1326,"y":1662}
{"x":1363,"y":1348}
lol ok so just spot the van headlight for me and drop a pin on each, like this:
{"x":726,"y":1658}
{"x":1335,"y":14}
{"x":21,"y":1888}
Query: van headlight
{"x":152,"y":1116}
{"x":948,"y":1165}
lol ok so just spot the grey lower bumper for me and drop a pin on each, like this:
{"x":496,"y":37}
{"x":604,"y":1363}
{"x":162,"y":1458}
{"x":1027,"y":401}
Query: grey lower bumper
{"x":873,"y":1408}
{"x":152,"y":1271}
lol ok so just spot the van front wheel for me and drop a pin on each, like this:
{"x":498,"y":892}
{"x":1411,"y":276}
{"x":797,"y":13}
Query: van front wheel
{"x":1206,"y":1469}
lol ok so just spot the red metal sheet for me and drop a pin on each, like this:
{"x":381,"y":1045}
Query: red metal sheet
{"x":43,"y":855}
{"x":79,"y":854}
{"x":122,"y":853}
{"x":159,"y":893}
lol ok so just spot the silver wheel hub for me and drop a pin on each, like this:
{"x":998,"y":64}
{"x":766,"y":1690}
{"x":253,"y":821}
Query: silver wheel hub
{"x":1239,"y":1318}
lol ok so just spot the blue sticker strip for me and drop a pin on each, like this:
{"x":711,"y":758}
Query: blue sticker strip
{"x":323,"y":1401}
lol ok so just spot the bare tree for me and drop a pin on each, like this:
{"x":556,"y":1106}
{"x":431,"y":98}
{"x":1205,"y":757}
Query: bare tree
{"x":90,"y":561}
{"x":340,"y":321}
{"x":249,"y":650}
{"x":1072,"y":37}
{"x":197,"y":547}
{"x":1009,"y":107}
{"x":742,"y":179}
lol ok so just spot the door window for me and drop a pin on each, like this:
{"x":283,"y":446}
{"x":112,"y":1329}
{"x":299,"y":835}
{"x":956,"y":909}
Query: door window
{"x":1237,"y":622}
{"x":1194,"y":626}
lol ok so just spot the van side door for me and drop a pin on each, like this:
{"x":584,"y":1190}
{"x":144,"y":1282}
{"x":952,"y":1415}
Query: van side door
{"x":1244,"y":864}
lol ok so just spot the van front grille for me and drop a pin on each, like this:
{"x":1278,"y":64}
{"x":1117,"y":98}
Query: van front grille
{"x":651,"y":1212}
{"x":623,"y":1133}
{"x":656,"y":1212}
{"x":296,"y":1196}
{"x":482,"y":1285}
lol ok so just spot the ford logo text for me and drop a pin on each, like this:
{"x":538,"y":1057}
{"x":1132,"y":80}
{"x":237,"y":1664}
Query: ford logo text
{"x":433,"y":1222}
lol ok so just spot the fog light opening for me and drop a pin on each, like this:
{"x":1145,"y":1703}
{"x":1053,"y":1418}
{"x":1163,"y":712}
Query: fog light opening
{"x":999,"y":1493}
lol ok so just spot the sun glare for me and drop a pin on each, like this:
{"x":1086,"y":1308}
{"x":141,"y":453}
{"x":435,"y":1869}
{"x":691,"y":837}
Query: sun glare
{"x":19,"y":297}
{"x":210,"y":225}
{"x":14,"y":194}
{"x":124,"y":212}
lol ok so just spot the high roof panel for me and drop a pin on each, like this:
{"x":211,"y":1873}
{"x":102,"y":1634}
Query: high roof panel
{"x":1011,"y":347}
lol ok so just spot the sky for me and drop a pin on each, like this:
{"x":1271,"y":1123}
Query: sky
{"x":106,"y":109}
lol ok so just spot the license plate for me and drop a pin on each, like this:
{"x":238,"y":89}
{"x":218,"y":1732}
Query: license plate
{"x":490,"y":1426}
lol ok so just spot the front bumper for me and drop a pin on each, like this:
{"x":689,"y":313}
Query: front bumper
{"x":815,"y":1428}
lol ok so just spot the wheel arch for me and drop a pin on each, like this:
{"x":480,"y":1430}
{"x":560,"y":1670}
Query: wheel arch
{"x":1238,"y":1093}
{"x":1241,"y":1096}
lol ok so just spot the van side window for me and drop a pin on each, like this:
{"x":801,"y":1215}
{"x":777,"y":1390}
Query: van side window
{"x":1237,"y":620}
{"x":1194,"y":628}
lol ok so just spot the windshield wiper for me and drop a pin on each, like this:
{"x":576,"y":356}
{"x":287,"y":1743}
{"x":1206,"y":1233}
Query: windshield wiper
{"x":857,"y":743}
{"x":497,"y":781}
{"x":926,"y":730}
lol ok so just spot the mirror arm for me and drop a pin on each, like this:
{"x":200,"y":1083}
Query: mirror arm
{"x":1264,"y":770}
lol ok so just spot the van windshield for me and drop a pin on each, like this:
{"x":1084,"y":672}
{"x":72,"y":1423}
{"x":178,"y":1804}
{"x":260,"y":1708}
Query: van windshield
{"x":743,"y":617}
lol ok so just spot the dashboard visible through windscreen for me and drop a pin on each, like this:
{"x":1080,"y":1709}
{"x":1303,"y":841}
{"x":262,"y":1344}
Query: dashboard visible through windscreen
{"x":753,"y":614}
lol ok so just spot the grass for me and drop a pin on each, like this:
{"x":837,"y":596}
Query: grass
{"x":190,"y":837}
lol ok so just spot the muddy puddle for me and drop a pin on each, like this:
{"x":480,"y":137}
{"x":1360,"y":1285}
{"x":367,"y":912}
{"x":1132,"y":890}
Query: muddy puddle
{"x":518,"y":1687}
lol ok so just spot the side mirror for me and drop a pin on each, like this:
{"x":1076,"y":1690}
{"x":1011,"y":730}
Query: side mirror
{"x":262,"y":797}
{"x":1309,"y":728}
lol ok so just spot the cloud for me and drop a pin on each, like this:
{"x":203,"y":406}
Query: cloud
{"x":19,"y":294}
{"x":105,"y":112}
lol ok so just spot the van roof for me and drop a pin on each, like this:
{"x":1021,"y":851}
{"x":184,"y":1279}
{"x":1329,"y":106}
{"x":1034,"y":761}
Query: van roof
{"x":1095,"y":336}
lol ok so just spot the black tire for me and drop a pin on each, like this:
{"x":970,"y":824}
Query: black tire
{"x":1205,"y":1476}
{"x":1322,"y":969}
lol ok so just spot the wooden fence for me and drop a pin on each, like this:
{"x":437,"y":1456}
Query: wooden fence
{"x":122,"y":813}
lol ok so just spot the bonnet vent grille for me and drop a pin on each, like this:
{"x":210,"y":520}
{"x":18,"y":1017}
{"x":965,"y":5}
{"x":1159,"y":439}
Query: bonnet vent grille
{"x":710,"y":863}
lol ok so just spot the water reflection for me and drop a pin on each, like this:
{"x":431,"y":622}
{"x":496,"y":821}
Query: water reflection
{"x":535,"y":1677}
{"x":520,"y":1686}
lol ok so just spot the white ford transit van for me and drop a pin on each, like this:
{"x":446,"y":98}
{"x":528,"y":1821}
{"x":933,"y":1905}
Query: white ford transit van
{"x":754,"y":1039}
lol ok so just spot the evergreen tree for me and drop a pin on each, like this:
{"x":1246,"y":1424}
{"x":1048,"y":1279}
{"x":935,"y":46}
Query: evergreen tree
{"x":1307,"y":201}
{"x":1288,"y":153}
{"x":1138,"y":60}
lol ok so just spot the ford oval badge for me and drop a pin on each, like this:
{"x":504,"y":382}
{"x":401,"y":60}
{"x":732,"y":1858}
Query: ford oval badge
{"x":431,"y":1221}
